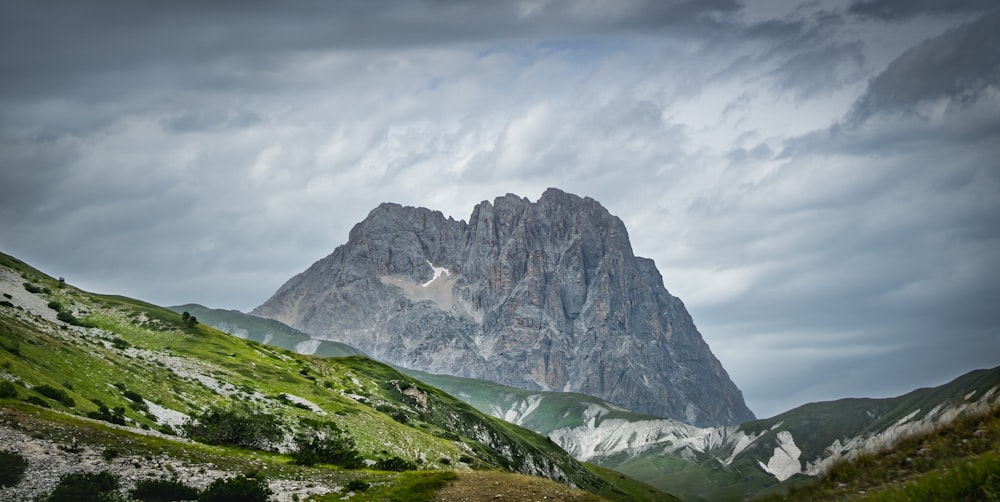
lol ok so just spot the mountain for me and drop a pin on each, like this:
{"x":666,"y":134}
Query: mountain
{"x":542,"y":295}
{"x":108,"y":383}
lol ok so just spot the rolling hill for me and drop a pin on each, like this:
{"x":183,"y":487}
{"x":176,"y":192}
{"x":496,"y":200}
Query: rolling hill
{"x":98,"y":382}
{"x":722,"y":463}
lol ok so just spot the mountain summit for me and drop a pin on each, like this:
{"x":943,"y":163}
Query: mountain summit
{"x":539,"y":295}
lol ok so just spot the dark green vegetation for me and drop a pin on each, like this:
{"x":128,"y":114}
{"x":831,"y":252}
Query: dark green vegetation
{"x":93,"y":486}
{"x":241,"y":488}
{"x":960,"y":461}
{"x":133,"y":364}
{"x":162,"y":490}
{"x":12,"y":466}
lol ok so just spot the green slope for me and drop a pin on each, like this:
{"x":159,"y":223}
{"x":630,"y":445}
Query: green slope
{"x":157,"y":371}
{"x":267,"y":331}
{"x":700,"y":475}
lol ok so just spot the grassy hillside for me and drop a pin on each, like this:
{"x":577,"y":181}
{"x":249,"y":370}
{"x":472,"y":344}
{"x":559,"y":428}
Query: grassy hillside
{"x":698,"y":472}
{"x":81,"y":372}
{"x":960,"y":461}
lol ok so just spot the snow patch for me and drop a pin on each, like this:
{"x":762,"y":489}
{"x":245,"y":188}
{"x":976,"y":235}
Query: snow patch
{"x":784,"y":463}
{"x":438,"y":271}
{"x":308,"y":347}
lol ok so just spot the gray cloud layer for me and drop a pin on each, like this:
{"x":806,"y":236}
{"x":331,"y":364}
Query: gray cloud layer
{"x":818,"y":184}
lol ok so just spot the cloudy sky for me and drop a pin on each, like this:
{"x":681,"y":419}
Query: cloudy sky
{"x":819,"y":182}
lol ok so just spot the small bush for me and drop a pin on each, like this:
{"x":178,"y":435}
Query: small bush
{"x":120,"y":344}
{"x":56,"y":395}
{"x":6,"y":303}
{"x":395,"y":464}
{"x":12,"y":467}
{"x":162,"y":490}
{"x":356,"y":485}
{"x":89,"y":486}
{"x":7,"y":390}
{"x":68,"y":318}
{"x":138,"y":403}
{"x":31,"y":288}
{"x":241,"y":425}
{"x":37,"y":401}
{"x":328,"y":447}
{"x":54,"y":305}
{"x":241,"y":488}
{"x":115,"y":416}
{"x":110,"y":453}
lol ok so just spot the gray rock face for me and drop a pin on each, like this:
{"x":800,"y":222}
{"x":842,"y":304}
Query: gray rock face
{"x":543,"y":296}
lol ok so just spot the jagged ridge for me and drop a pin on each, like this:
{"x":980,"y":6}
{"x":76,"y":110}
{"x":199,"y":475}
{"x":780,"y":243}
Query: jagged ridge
{"x":545,"y":295}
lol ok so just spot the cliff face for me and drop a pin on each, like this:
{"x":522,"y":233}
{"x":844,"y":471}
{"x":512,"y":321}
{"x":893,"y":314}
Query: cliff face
{"x":544,"y":295}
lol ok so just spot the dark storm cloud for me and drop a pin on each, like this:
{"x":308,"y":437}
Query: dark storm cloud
{"x":41,"y":42}
{"x":895,"y":10}
{"x":959,"y":66}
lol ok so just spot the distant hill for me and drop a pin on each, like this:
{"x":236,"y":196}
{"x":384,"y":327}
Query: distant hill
{"x":108,"y":383}
{"x":731,"y":462}
{"x":266,"y":331}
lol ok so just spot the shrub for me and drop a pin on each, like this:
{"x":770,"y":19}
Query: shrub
{"x":110,"y":453}
{"x":90,"y":486}
{"x":54,"y":305}
{"x":241,"y":425}
{"x":7,"y":390}
{"x":6,"y":303}
{"x":31,"y":288}
{"x":37,"y":401}
{"x":330,"y":446}
{"x":68,"y":318}
{"x":395,"y":464}
{"x":56,"y":395}
{"x":12,"y":467}
{"x":115,"y":416}
{"x":120,"y":344}
{"x":241,"y":488}
{"x":138,"y":403}
{"x":356,"y":485}
{"x":162,"y":490}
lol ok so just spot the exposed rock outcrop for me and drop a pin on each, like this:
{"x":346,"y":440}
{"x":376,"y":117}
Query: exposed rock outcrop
{"x":539,"y":295}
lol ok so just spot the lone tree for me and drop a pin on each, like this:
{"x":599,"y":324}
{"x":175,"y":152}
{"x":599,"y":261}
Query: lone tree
{"x":189,"y":320}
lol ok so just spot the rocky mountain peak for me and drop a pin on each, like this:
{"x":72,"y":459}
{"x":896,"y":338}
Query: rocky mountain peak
{"x":540,"y":295}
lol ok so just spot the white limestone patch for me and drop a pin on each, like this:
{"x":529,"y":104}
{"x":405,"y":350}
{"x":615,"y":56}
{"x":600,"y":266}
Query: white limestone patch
{"x":518,"y":413}
{"x":784,"y":463}
{"x":611,"y":436}
{"x":166,"y":416}
{"x":304,"y":402}
{"x":13,"y":284}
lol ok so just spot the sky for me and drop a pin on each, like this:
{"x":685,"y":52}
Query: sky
{"x":819,"y":182}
